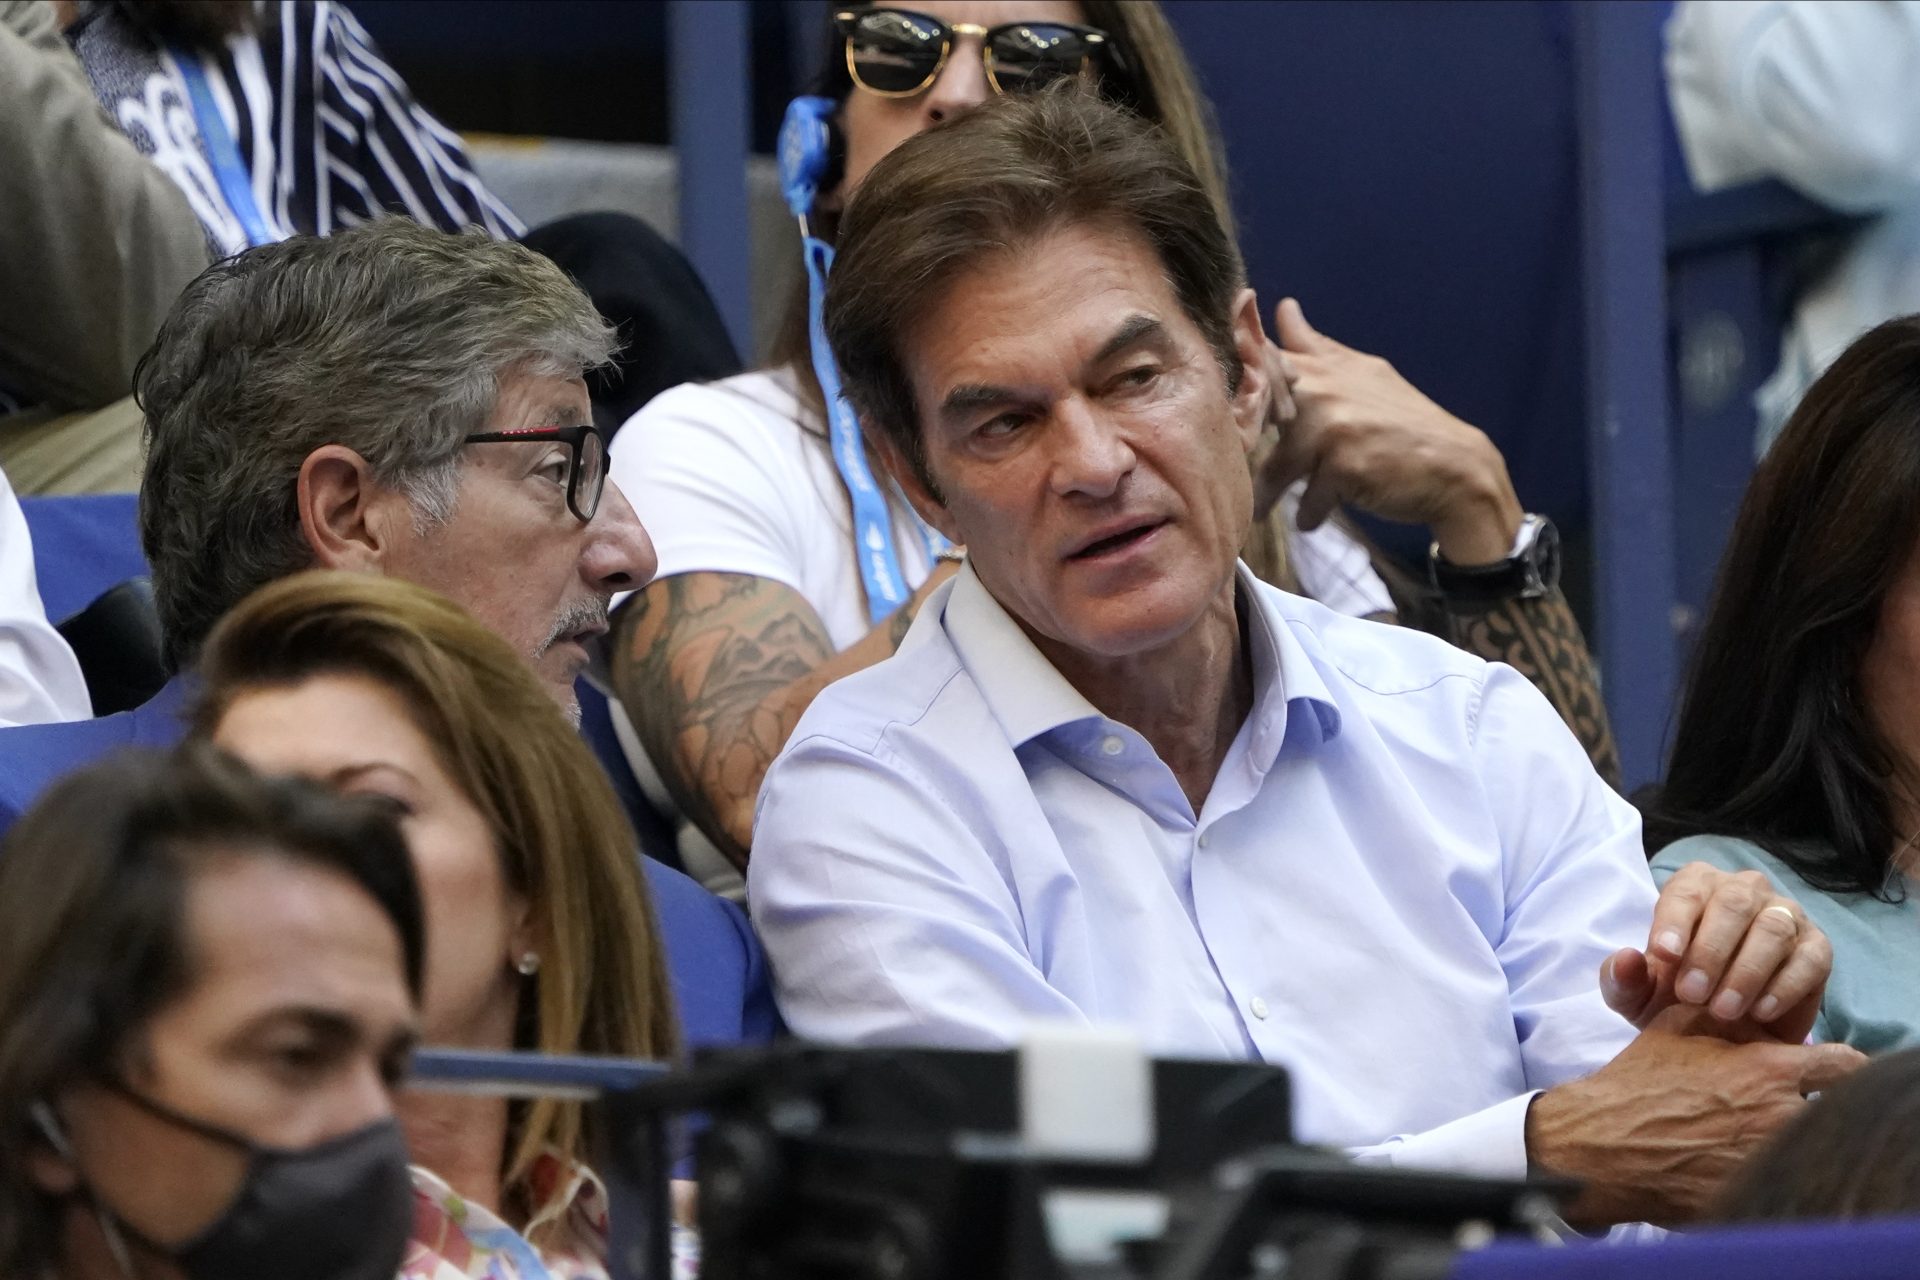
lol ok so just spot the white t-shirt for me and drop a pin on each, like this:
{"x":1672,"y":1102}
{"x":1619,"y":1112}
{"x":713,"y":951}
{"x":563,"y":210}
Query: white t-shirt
{"x":736,"y":476}
{"x":40,"y":682}
{"x":729,"y":477}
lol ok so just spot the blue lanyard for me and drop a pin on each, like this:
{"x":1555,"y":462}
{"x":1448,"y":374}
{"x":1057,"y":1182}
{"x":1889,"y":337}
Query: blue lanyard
{"x":872,"y":527}
{"x":227,"y":167}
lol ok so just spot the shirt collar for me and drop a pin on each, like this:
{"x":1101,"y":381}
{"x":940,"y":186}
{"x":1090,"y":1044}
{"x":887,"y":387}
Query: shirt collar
{"x":1291,"y":702}
{"x":1029,"y":697}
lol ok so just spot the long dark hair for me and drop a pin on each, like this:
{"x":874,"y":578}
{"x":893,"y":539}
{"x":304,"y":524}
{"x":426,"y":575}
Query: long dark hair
{"x":1774,"y":743}
{"x":93,"y":888}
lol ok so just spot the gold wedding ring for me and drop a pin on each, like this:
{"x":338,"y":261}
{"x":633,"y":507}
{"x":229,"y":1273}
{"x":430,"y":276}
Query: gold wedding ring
{"x":1788,"y":912}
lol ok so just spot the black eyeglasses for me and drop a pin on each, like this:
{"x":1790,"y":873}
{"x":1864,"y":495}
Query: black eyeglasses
{"x":897,"y":53}
{"x":587,"y":467}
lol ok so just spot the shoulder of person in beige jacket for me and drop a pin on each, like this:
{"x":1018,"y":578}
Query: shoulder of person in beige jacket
{"x":95,"y":241}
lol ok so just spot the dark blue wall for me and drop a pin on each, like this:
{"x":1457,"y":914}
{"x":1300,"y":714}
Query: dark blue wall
{"x":1408,"y":171}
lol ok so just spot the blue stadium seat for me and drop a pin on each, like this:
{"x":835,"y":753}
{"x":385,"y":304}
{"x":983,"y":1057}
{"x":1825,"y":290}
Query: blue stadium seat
{"x":82,"y":547}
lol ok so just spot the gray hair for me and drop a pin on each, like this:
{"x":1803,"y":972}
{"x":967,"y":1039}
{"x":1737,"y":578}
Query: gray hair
{"x":390,"y":339}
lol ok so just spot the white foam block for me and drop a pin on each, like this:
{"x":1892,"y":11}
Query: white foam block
{"x":1086,"y":1093}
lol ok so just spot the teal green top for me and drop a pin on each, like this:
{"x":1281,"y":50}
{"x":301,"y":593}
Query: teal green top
{"x":1873,"y":998}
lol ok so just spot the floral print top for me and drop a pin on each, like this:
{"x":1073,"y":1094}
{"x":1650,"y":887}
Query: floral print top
{"x":456,"y":1239}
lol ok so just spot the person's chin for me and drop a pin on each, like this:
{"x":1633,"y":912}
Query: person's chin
{"x":1137,"y":622}
{"x":559,"y":668}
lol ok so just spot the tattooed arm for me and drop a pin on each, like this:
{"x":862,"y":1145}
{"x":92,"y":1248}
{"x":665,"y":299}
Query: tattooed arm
{"x":715,"y":670}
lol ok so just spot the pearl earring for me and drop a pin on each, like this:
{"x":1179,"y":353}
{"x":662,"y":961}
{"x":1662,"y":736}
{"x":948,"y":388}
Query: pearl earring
{"x":528,"y":964}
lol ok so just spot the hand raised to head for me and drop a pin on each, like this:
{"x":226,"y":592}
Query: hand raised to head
{"x":1360,"y":433}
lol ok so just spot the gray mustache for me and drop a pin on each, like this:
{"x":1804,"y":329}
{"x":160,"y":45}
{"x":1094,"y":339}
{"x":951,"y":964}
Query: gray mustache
{"x":575,"y":617}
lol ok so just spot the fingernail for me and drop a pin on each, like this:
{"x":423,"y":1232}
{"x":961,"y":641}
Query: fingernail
{"x":1766,"y":1007}
{"x":1726,"y":1006}
{"x":1668,"y":941}
{"x":1693,"y":986}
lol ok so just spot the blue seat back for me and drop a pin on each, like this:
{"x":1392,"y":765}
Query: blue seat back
{"x":82,"y":546}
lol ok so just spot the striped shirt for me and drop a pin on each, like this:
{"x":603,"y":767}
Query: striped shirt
{"x":327,"y":134}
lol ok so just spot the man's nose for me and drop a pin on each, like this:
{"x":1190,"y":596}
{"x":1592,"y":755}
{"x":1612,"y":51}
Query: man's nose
{"x":619,"y":555}
{"x":364,"y":1097}
{"x":961,"y":84}
{"x":1091,"y":455}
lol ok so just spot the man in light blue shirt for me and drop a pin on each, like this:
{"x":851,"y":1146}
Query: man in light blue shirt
{"x":1112,"y":777}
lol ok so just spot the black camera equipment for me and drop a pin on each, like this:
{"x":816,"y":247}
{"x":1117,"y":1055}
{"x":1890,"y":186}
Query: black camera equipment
{"x":895,"y":1164}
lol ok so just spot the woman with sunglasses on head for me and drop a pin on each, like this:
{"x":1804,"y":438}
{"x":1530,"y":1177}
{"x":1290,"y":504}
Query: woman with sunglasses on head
{"x":208,"y":984}
{"x":788,"y":561}
{"x":540,"y":936}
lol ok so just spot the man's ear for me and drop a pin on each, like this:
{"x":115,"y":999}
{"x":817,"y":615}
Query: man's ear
{"x":346,"y":516}
{"x":930,"y":506}
{"x":1250,"y":344}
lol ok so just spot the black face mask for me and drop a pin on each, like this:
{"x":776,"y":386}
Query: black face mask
{"x":338,"y":1210}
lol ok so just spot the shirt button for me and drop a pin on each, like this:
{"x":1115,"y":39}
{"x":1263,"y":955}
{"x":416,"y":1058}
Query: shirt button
{"x":1259,"y":1007}
{"x":1202,"y":842}
{"x":1112,"y":745}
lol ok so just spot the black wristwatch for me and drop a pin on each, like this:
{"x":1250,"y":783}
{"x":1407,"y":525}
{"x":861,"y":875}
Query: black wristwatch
{"x":1530,"y":571}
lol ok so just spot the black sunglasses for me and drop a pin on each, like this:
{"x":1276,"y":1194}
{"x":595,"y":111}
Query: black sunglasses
{"x":587,"y":466}
{"x":897,"y":53}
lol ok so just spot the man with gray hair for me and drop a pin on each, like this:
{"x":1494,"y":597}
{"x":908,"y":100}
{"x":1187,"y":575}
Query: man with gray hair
{"x":393,"y":399}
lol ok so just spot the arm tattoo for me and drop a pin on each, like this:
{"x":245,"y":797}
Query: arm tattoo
{"x":705,"y":661}
{"x":1541,"y":640}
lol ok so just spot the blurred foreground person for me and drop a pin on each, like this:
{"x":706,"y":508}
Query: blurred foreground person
{"x":540,"y":936}
{"x":1855,"y":1153}
{"x":207,"y":990}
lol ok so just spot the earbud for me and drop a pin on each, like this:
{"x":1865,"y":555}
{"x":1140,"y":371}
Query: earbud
{"x":806,"y":152}
{"x":50,"y":1127}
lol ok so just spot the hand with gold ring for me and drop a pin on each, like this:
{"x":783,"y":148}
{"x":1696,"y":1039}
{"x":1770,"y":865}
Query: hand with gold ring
{"x":1730,"y":945}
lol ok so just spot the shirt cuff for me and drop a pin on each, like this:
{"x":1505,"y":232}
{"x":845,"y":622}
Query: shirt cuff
{"x":1487,"y":1144}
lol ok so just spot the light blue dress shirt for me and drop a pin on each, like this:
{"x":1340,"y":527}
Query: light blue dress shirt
{"x":1401,"y":885}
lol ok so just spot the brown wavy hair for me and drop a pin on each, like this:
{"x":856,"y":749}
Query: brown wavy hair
{"x":562,"y":837}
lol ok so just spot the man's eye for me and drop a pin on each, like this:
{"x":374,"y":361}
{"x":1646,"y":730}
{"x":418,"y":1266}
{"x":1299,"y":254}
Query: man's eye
{"x":1135,"y":378}
{"x":298,"y":1059}
{"x":554,"y":469}
{"x":1001,"y":427}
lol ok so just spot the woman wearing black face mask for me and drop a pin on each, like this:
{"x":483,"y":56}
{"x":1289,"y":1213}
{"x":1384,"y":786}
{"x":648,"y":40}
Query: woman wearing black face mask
{"x":208,"y":988}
